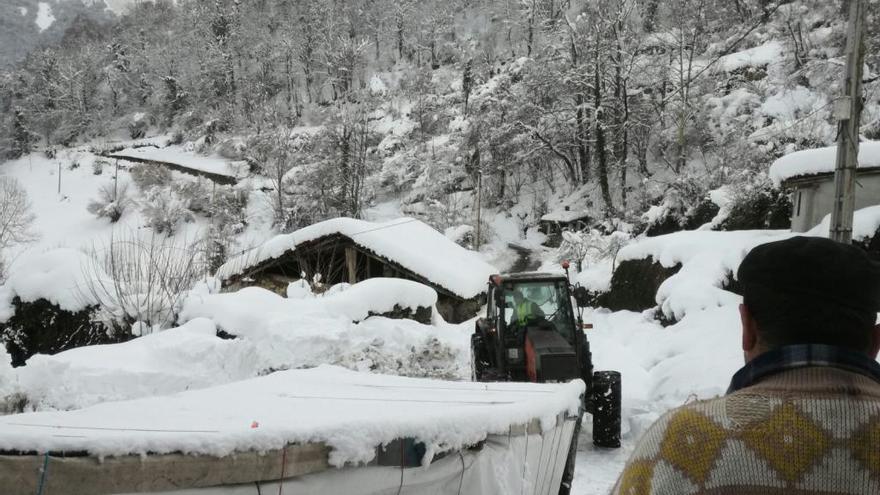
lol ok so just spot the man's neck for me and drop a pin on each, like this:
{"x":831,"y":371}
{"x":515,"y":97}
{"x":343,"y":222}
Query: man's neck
{"x":800,"y":356}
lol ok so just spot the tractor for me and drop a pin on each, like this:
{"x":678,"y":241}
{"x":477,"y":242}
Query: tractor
{"x":532,"y":333}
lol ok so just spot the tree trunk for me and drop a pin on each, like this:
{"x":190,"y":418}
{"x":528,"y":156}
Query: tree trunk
{"x":601,"y":155}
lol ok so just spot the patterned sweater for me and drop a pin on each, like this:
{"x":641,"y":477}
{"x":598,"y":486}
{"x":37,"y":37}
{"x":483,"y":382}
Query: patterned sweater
{"x":809,"y":430}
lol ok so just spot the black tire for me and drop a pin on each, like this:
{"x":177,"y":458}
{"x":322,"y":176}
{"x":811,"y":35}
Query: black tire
{"x":606,"y":409}
{"x":478,"y":362}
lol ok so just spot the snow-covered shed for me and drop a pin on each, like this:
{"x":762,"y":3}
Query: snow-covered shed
{"x":349,"y":250}
{"x":809,"y":176}
{"x":565,"y":218}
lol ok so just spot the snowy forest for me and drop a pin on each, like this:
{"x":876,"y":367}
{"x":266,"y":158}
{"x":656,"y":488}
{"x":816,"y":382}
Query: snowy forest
{"x":627,"y":103}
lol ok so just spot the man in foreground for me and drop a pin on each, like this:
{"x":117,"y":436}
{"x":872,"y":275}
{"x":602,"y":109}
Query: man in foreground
{"x":803,"y":415}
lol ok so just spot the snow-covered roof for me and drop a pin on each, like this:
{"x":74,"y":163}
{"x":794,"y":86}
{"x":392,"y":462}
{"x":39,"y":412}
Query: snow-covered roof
{"x":566,"y":215}
{"x":406,"y":241}
{"x":573,"y":206}
{"x":348,"y":411}
{"x":765,"y":54}
{"x":820,"y":161}
{"x":176,"y":155}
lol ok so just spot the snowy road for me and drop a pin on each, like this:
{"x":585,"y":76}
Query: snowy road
{"x":597,"y":468}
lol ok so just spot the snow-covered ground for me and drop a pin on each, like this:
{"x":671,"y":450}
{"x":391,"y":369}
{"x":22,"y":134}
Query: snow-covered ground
{"x":662,"y":367}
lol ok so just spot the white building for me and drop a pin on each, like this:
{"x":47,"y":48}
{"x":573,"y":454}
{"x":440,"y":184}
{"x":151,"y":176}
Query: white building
{"x":809,"y":176}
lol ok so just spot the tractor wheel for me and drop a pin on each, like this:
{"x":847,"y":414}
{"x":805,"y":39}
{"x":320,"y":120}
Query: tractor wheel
{"x":606,"y":409}
{"x":478,"y":365}
{"x":481,"y":367}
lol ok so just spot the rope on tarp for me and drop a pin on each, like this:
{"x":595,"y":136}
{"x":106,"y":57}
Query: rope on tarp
{"x":43,"y":473}
{"x":561,"y":429}
{"x":554,"y":453}
{"x":525,"y":462}
{"x":540,"y":460}
{"x":106,"y":428}
{"x":402,"y":462}
{"x":461,"y":480}
{"x":375,"y":399}
{"x":283,"y":468}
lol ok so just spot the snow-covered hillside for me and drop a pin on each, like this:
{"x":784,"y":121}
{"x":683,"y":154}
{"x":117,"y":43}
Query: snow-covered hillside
{"x":150,"y":152}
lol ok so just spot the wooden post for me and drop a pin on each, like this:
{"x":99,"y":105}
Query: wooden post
{"x":351,"y":263}
{"x":59,"y":177}
{"x":848,"y":111}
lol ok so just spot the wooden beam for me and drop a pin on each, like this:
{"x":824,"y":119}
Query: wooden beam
{"x":20,"y":474}
{"x":351,"y":263}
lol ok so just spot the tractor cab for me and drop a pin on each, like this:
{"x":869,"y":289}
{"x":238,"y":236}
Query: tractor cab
{"x":531,"y":331}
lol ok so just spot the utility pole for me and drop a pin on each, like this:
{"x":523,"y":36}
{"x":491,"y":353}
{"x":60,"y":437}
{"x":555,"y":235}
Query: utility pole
{"x":479,"y":207}
{"x":848,"y":111}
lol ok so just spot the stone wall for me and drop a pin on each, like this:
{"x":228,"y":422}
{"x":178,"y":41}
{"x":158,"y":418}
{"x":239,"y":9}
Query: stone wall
{"x":634,"y":285}
{"x":41,"y":327}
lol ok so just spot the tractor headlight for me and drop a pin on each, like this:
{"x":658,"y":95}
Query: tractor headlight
{"x":513,"y":354}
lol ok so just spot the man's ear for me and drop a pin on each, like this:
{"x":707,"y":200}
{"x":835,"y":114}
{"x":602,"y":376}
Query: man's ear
{"x":749,"y":330}
{"x":875,"y":342}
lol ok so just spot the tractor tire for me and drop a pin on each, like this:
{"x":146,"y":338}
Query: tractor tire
{"x":606,"y":409}
{"x":478,"y":363}
{"x":481,"y":368}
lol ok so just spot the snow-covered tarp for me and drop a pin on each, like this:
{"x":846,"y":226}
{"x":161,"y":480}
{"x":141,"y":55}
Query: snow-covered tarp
{"x":178,"y":156}
{"x":406,"y":241}
{"x":352,"y":413}
{"x":820,"y":161}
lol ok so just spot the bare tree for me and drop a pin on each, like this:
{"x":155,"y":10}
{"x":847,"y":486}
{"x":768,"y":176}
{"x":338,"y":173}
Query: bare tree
{"x":15,"y":214}
{"x":141,"y":280}
{"x":276,"y":154}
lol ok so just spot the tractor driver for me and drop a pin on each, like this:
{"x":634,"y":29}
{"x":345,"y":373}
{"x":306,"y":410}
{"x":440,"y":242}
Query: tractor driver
{"x":524,"y":310}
